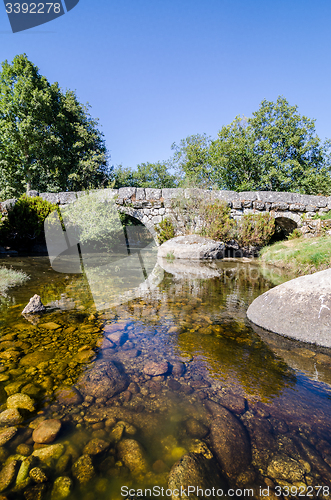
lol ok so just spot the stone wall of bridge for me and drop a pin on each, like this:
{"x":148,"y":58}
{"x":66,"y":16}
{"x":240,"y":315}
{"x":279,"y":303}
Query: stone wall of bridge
{"x":151,"y":206}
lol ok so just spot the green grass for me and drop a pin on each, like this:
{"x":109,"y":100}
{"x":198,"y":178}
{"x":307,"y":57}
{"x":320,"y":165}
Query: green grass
{"x":300,"y":256}
{"x":10,"y":277}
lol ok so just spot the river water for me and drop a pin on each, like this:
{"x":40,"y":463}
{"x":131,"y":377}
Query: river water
{"x":189,"y":374}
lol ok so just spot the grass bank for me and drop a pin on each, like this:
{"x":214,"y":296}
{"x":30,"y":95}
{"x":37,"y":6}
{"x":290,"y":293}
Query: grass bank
{"x":10,"y":277}
{"x":300,"y":256}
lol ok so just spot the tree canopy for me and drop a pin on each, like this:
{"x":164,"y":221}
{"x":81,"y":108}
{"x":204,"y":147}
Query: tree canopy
{"x":276,"y":149}
{"x":48,"y":140}
{"x":153,"y":175}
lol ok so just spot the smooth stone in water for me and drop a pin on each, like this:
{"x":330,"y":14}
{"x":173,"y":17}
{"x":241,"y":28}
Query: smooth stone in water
{"x":22,"y":401}
{"x":103,"y":380}
{"x":11,"y":417}
{"x":154,"y":368}
{"x":95,"y":446}
{"x":230,"y":441}
{"x":194,"y":469}
{"x":285,"y":468}
{"x":36,"y":357}
{"x":46,"y":431}
{"x":6,"y":435}
{"x":133,"y":456}
{"x":54,"y":451}
{"x":68,"y":396}
{"x":7,"y":475}
{"x":62,"y":488}
{"x":83,"y":469}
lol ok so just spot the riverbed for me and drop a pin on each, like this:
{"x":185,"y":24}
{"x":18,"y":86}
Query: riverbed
{"x":132,"y":388}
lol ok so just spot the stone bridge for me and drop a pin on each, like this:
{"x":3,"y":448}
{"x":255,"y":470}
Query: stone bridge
{"x":151,"y":206}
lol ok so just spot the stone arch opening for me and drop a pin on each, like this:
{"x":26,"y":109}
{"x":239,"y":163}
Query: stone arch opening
{"x":284,"y":227}
{"x":136,"y":229}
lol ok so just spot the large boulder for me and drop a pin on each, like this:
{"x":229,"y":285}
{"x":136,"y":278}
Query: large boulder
{"x":193,"y":247}
{"x":299,"y":309}
{"x":195,"y":471}
{"x":103,"y":380}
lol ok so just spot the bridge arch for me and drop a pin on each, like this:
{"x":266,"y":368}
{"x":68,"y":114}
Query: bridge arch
{"x":139,"y":216}
{"x":287,"y":221}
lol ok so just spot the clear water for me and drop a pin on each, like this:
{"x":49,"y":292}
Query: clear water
{"x":279,"y":389}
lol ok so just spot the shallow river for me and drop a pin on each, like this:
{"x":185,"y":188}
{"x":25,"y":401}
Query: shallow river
{"x":131,"y":389}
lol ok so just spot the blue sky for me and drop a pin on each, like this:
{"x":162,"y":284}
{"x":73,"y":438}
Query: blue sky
{"x":155,"y":72}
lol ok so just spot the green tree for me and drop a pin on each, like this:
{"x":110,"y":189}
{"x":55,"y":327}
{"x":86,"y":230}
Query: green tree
{"x":153,"y":175}
{"x":233,"y":159}
{"x":191,"y":159}
{"x":48,"y":140}
{"x":276,"y":149}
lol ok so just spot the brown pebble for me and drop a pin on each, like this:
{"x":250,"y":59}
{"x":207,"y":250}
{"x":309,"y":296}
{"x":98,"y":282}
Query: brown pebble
{"x":24,"y":449}
{"x":159,"y":466}
{"x":127,"y":396}
{"x":46,"y":431}
{"x":98,"y":426}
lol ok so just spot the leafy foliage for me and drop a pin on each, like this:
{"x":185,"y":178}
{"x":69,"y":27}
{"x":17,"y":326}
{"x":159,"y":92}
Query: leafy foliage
{"x":255,"y":229}
{"x":325,"y":216}
{"x":165,"y":230}
{"x":48,"y":140}
{"x":25,"y":219}
{"x":191,"y":159}
{"x":276,"y":149}
{"x":147,"y":175}
{"x":217,"y":221}
{"x":94,"y":221}
{"x":296,"y":233}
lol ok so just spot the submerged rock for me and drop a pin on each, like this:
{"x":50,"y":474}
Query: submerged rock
{"x":6,"y":435}
{"x":83,"y":469}
{"x":54,"y":451}
{"x":11,"y":417}
{"x":46,"y":431}
{"x":22,"y":401}
{"x":230,"y":441}
{"x":62,"y":488}
{"x":68,"y":396}
{"x":154,"y":368}
{"x":7,"y":475}
{"x":133,"y":456}
{"x":195,"y":470}
{"x":103,"y":380}
{"x":34,"y":306}
{"x":285,"y":468}
{"x":95,"y":446}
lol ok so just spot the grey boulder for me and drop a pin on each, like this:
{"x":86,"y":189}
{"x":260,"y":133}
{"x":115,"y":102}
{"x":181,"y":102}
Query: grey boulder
{"x":193,"y":247}
{"x":299,"y":309}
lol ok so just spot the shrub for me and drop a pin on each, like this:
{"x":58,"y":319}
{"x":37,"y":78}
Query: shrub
{"x":25,"y":219}
{"x":216,"y":221}
{"x":296,"y":233}
{"x":165,"y":230}
{"x":256,"y":229}
{"x":325,"y":216}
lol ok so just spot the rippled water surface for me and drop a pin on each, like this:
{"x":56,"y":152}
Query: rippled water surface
{"x":189,"y":374}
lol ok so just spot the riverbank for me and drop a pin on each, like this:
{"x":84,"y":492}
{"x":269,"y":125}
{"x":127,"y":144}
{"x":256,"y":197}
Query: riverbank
{"x":10,"y":278}
{"x":299,"y":256}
